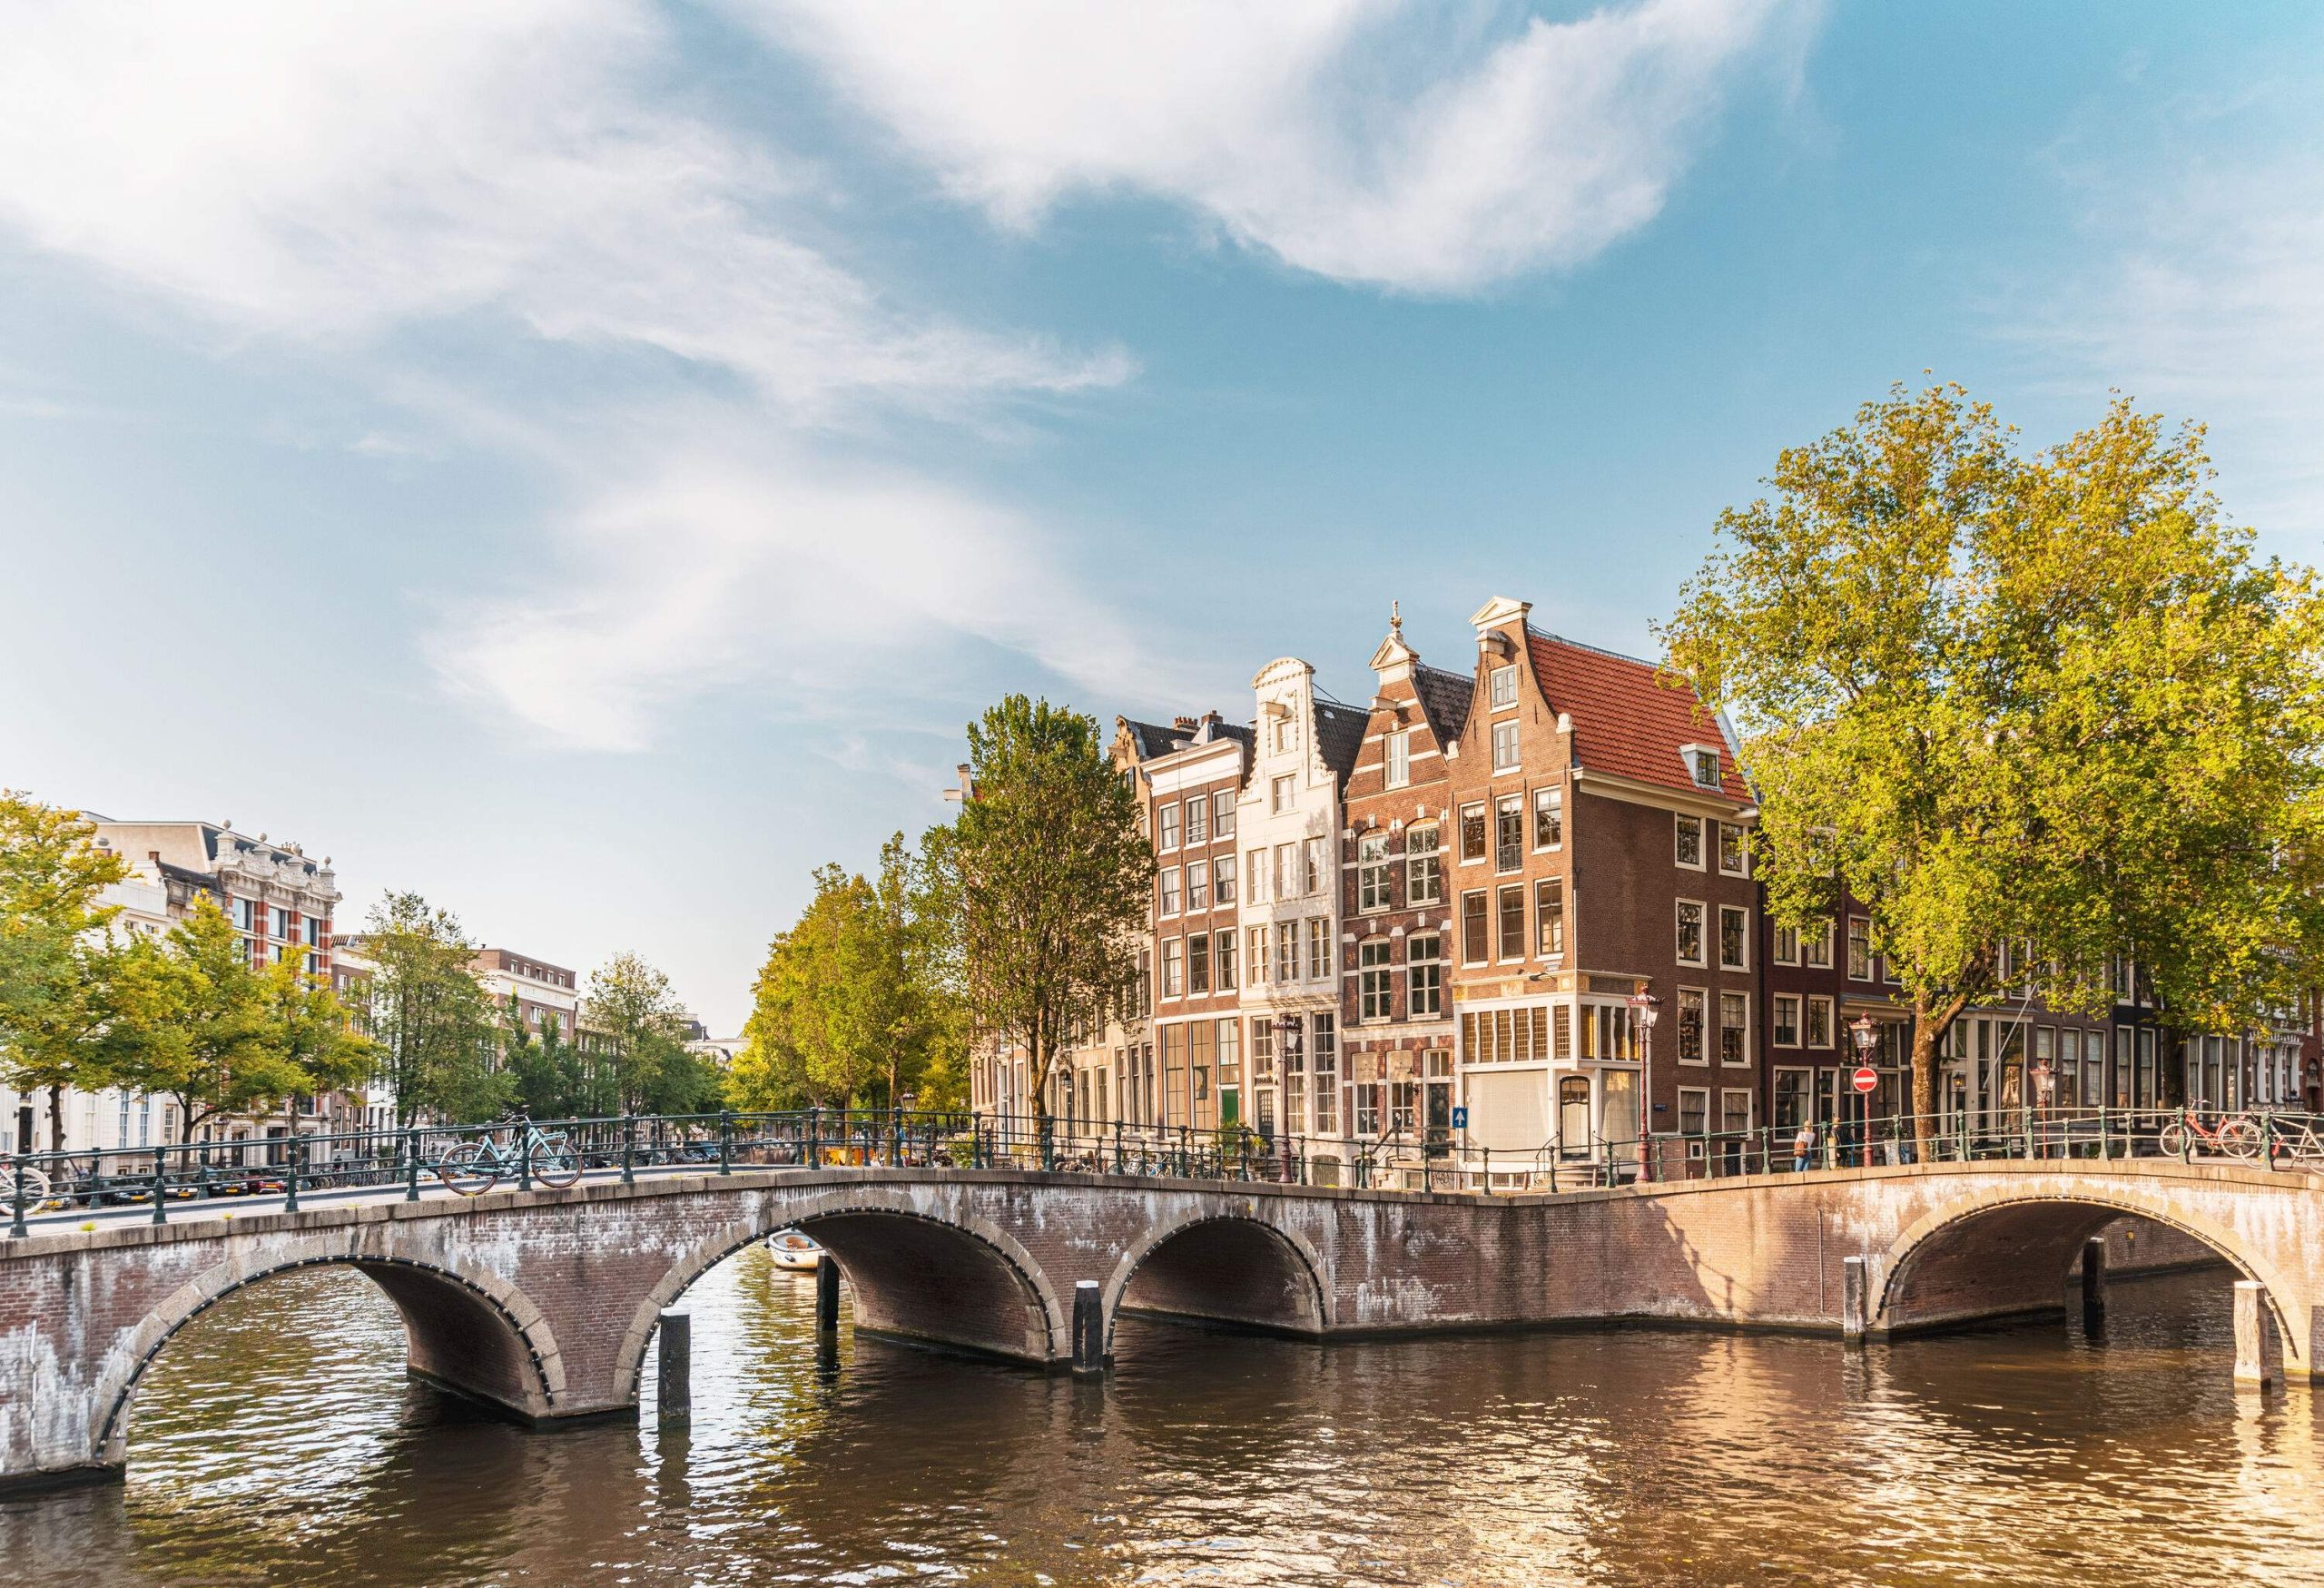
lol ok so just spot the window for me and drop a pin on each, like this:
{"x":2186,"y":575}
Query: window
{"x":1145,"y":981}
{"x":1423,"y":884}
{"x":1397,"y":750}
{"x":1286,"y":951}
{"x":1509,"y":833}
{"x":1734,"y":1110}
{"x":1815,"y":946}
{"x":1168,"y":818}
{"x":1689,"y":851}
{"x":1734,"y":853}
{"x":1222,"y":810}
{"x":1319,"y":948}
{"x":1473,"y":948}
{"x":1473,"y":832}
{"x":1549,"y":817}
{"x":1690,"y":932}
{"x":1286,"y":731}
{"x":246,"y":914}
{"x":1230,"y":1042}
{"x":1221,"y":879}
{"x":1224,"y":961}
{"x":1286,"y":879}
{"x":1197,"y":886}
{"x":1169,"y":890}
{"x":1786,"y":1013}
{"x":1694,"y":1110}
{"x":1372,"y":872}
{"x":282,"y":925}
{"x":1374,"y":1000}
{"x":1310,"y":867}
{"x":1504,"y":746}
{"x":1734,"y":937}
{"x":1424,"y":975}
{"x":1819,"y":1023}
{"x":1787,"y":945}
{"x":1549,"y":917}
{"x":1262,"y":1048}
{"x":1513,"y":921}
{"x":1734,"y":1027}
{"x":1279,"y":794}
{"x":1503,"y":686}
{"x":1174,"y":968}
{"x":1706,"y":766}
{"x":1198,"y":964}
{"x":1259,"y":957}
{"x":1326,"y":1057}
{"x":1258,"y":872}
{"x":1198,"y":819}
{"x":1690,"y":1026}
{"x":1860,"y":949}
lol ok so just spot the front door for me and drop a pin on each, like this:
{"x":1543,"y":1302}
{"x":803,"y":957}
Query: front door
{"x":1573,"y":1116}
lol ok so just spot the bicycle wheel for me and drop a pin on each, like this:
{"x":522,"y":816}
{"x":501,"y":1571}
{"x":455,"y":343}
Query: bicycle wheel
{"x":472,"y":1168}
{"x":2239,"y":1137}
{"x":555,"y":1163}
{"x":2172,"y":1140}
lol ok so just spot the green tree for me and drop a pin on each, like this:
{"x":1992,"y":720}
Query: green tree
{"x":803,"y":1042}
{"x":432,"y":1025}
{"x":1993,"y":700}
{"x":237,"y":1038}
{"x":639,"y":1026}
{"x":73,"y":1003}
{"x":1043,"y":882}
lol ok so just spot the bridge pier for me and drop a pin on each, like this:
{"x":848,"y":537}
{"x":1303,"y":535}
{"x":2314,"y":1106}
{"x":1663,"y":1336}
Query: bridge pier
{"x":2258,"y":1350}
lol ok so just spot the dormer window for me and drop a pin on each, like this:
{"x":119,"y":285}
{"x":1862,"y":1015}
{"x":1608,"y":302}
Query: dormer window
{"x":1702,"y":765}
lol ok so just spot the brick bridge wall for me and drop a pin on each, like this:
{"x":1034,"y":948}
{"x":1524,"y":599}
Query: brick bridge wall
{"x":542,"y":1303}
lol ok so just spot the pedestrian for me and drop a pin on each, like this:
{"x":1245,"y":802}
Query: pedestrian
{"x":1803,"y":1147}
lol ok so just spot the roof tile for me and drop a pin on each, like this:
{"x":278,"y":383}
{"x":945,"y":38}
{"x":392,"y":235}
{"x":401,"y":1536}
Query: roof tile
{"x":1626,"y":720}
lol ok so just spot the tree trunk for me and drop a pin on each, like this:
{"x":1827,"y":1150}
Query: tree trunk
{"x":1924,"y":1035}
{"x":56,"y":1118}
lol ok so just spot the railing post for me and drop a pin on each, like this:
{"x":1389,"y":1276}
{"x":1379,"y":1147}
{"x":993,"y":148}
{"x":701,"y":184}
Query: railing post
{"x":815,"y":1136}
{"x":411,"y":1164}
{"x":2268,"y":1138}
{"x":1185,"y":1151}
{"x":1427,"y":1171}
{"x":298,"y":1146}
{"x":161,"y":1185}
{"x":725,"y":1141}
{"x":1047,"y":1126}
{"x":16,"y":1225}
{"x":1118,"y":1168}
{"x":628,"y":1149}
{"x":524,"y":1157}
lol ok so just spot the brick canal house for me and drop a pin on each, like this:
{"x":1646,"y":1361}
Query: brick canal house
{"x":1396,"y":1014}
{"x":1600,"y":857}
{"x":1303,"y":746}
{"x":1192,"y":792}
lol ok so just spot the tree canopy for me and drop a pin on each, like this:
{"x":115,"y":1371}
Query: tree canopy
{"x":1046,"y":880}
{"x":432,"y":1023}
{"x":1992,"y":699}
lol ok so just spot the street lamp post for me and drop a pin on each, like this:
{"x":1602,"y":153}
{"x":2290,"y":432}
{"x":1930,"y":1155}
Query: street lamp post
{"x":1866,"y":1033}
{"x":1644,"y":1006}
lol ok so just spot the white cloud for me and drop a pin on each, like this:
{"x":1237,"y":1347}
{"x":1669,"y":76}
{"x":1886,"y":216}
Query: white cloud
{"x":813,"y":585}
{"x":2207,"y":303}
{"x":326,"y":171}
{"x":1363,"y":140}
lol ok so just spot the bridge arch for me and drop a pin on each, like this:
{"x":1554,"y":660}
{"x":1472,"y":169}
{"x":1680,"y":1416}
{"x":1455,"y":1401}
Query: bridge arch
{"x":2003,"y":1249}
{"x":1229,"y":1268}
{"x":465,"y":1329}
{"x":937,"y":1274}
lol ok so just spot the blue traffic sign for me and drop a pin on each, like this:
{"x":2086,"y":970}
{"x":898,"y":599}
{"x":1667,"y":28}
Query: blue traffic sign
{"x":1459,"y":1119}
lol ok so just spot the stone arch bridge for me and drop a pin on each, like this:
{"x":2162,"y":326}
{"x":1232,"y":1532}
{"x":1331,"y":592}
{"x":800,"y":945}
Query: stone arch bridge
{"x":542,"y":1303}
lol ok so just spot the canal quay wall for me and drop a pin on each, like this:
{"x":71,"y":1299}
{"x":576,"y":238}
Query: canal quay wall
{"x":542,"y":1303}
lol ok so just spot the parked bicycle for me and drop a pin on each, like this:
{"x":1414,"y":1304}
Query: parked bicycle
{"x":2235,"y":1135}
{"x":474,"y":1168}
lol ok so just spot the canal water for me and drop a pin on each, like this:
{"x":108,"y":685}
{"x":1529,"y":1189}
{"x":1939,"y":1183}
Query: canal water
{"x":278,"y":1441}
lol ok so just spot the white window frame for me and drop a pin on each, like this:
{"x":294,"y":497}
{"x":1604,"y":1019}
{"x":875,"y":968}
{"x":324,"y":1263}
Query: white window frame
{"x":1678,"y":1016}
{"x":1786,"y":934}
{"x":1434,"y":854}
{"x":1830,"y":1009}
{"x":1775,"y":1021}
{"x":1680,"y":823}
{"x":1500,"y":687}
{"x":1742,"y":849}
{"x":1396,"y":756}
{"x":1744,"y":963}
{"x":1701,"y":962}
{"x":1166,"y":827}
{"x":1170,"y":882}
{"x":1505,"y":737}
{"x":1723,"y":1028}
{"x":1553,"y":798}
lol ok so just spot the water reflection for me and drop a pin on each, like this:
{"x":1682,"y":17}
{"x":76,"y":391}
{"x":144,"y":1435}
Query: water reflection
{"x":277,"y":1441}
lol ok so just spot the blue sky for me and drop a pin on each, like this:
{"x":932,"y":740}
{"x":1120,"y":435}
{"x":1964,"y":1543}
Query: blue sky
{"x":584,"y":460}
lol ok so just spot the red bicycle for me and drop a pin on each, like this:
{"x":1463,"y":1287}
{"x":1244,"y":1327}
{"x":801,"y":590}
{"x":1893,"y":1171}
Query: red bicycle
{"x":2235,"y":1135}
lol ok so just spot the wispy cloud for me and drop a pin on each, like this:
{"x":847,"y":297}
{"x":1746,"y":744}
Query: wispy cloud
{"x":2206,"y":300}
{"x":1368,"y":141}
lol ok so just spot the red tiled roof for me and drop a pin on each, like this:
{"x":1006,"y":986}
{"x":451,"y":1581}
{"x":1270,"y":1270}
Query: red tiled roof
{"x":1626,"y":720}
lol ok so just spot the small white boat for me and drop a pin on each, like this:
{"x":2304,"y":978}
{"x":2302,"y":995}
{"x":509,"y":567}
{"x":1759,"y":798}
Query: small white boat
{"x":795,"y":1250}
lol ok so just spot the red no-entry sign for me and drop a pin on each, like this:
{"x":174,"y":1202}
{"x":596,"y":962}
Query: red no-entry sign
{"x":1864,"y":1079}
